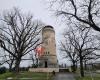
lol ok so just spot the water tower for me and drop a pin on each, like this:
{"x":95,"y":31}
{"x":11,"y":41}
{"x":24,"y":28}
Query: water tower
{"x":49,"y":58}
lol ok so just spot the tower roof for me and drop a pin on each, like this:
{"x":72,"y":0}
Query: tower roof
{"x":48,"y":26}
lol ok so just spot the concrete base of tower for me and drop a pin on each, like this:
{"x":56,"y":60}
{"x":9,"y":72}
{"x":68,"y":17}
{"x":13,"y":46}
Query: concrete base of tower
{"x":44,"y":69}
{"x":47,"y":63}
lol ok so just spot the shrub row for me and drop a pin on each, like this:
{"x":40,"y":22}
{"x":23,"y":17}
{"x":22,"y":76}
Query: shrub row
{"x":3,"y":70}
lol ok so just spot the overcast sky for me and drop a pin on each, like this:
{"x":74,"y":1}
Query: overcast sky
{"x":40,"y":10}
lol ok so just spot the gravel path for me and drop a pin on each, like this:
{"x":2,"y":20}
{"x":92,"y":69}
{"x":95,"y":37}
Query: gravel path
{"x":64,"y":76}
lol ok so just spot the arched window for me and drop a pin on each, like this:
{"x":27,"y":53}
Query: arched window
{"x":48,"y":52}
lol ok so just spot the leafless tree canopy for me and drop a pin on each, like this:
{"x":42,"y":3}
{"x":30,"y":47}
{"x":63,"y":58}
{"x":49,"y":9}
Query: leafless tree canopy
{"x":20,"y":32}
{"x":80,"y":45}
{"x":85,"y":11}
{"x":83,"y":15}
{"x":70,"y":53}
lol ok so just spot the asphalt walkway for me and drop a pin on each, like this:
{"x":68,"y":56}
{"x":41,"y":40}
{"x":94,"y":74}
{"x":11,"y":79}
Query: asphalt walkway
{"x":64,"y":76}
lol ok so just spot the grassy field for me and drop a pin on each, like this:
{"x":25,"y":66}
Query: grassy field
{"x":95,"y":77}
{"x":30,"y":75}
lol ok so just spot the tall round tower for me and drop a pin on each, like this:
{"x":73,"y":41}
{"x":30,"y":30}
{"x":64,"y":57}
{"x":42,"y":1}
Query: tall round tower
{"x":49,"y":58}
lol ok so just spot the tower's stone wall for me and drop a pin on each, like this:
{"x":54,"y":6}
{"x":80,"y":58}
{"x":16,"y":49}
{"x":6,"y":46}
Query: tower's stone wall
{"x":49,"y":45}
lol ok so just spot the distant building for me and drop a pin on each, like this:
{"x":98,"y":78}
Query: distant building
{"x":94,"y":65}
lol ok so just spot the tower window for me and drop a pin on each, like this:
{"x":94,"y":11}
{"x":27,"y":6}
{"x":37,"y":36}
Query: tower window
{"x":46,"y":53}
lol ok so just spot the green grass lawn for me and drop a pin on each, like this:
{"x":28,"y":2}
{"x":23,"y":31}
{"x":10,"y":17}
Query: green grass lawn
{"x":32,"y":75}
{"x":95,"y":77}
{"x":5,"y":75}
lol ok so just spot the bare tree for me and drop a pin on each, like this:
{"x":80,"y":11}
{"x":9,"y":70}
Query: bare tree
{"x":82,"y":42}
{"x":20,"y":32}
{"x":34,"y":59}
{"x":8,"y":58}
{"x":70,"y":53}
{"x":85,"y":11}
{"x":87,"y":59}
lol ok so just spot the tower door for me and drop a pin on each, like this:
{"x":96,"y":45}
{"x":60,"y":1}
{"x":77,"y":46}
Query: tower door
{"x":46,"y":64}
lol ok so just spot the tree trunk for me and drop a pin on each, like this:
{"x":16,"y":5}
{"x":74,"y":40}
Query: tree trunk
{"x":17,"y":64}
{"x":76,"y":65}
{"x":85,"y":65}
{"x":10,"y":65}
{"x":37,"y":62}
{"x":10,"y":68}
{"x":33,"y":60}
{"x":73,"y":67}
{"x":81,"y":67}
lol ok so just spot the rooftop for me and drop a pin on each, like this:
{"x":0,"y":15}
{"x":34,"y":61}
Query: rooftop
{"x":48,"y":26}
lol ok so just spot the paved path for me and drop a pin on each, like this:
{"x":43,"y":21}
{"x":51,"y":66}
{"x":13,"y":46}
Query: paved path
{"x":64,"y":76}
